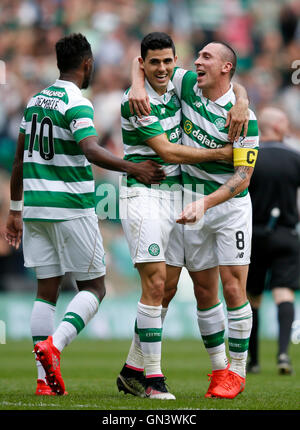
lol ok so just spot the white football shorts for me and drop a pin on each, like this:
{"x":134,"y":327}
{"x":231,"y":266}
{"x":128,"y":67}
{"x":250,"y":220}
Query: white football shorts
{"x":149,"y":219}
{"x":54,"y":248}
{"x":175,"y":250}
{"x":222,"y":238}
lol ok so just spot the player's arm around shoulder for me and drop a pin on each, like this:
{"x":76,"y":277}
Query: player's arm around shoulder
{"x":180,"y":154}
{"x":239,"y":115}
{"x":138,"y":98}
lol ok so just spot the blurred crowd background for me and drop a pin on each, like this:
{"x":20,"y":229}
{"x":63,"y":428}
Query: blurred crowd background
{"x":264,"y":33}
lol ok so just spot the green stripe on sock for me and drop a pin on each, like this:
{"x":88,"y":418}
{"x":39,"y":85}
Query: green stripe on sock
{"x":75,"y":320}
{"x":212,"y":340}
{"x":135,"y":327}
{"x":207,"y":309}
{"x":240,"y":319}
{"x":239,"y":307}
{"x":238,"y":345}
{"x":36,"y":339}
{"x":45,"y":301}
{"x":150,"y":334}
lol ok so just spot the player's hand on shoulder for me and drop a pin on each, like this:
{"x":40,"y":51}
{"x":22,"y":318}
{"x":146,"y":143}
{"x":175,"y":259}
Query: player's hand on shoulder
{"x":238,"y":120}
{"x":139,"y":102}
{"x":148,"y":172}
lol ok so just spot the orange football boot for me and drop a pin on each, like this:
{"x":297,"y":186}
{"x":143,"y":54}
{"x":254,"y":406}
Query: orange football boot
{"x":49,"y":356}
{"x":42,"y":389}
{"x":215,"y":378}
{"x":230,"y":387}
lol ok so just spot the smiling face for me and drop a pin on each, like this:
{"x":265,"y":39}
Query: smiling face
{"x":211,"y":66}
{"x":158,"y":67}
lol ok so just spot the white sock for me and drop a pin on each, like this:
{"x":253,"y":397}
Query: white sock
{"x":78,"y":314}
{"x":239,"y":330}
{"x":135,"y":358}
{"x":163,"y":314}
{"x":211,"y":324}
{"x":150,"y":331}
{"x":42,"y":326}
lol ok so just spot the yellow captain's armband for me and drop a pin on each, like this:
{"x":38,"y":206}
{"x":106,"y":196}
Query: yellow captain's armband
{"x":244,"y":157}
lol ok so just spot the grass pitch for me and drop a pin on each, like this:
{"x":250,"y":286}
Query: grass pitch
{"x":90,"y":369}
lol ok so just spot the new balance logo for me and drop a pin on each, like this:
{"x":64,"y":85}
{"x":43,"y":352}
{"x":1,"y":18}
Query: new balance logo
{"x":239,"y":255}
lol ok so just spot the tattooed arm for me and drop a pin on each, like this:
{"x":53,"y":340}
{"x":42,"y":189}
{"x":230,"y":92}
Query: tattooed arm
{"x":239,"y":181}
{"x":236,"y":184}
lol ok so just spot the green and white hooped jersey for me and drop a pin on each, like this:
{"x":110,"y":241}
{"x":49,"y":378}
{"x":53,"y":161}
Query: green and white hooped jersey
{"x":165,"y":117}
{"x":203,"y":127}
{"x":57,"y":177}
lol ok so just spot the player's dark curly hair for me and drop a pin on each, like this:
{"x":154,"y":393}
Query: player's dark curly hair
{"x":71,"y":51}
{"x":156,"y":40}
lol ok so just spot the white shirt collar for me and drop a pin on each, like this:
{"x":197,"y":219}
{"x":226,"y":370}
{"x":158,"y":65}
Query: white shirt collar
{"x":67,"y":84}
{"x":225,"y":98}
{"x":150,"y":90}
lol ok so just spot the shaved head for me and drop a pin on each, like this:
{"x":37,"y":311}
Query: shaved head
{"x":270,"y":117}
{"x":272,"y":120}
{"x":227,"y":54}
